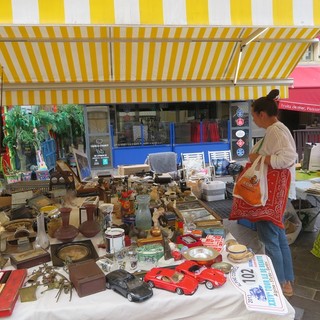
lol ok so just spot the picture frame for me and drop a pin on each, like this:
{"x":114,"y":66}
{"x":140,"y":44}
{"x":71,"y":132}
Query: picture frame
{"x":83,"y":165}
{"x":198,"y":211}
{"x":82,"y":188}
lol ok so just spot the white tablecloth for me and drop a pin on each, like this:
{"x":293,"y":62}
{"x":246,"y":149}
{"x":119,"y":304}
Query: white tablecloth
{"x":224,"y":303}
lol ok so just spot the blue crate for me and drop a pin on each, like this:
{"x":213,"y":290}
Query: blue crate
{"x":248,"y":224}
{"x":48,"y":149}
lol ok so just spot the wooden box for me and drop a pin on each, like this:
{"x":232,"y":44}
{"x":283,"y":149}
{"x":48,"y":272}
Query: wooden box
{"x":5,"y":201}
{"x":87,"y":277}
{"x":128,"y":170}
{"x":10,"y":290}
{"x":30,"y":258}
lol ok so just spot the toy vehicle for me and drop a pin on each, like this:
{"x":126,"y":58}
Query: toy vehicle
{"x":128,"y":285}
{"x":212,"y":278}
{"x":171,"y":280}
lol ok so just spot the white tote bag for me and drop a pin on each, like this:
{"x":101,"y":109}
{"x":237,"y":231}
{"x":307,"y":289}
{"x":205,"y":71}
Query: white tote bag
{"x":252,"y":186}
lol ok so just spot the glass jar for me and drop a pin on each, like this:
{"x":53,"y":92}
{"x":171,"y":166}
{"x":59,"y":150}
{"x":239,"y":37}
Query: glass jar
{"x":132,"y":255}
{"x":143,"y":218}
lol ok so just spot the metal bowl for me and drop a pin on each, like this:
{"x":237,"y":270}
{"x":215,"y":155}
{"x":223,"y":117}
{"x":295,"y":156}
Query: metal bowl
{"x":202,"y":255}
{"x":225,"y":267}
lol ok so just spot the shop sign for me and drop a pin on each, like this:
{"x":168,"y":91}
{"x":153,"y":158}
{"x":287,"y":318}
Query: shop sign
{"x":240,"y":122}
{"x":240,"y":143}
{"x":239,"y":113}
{"x":240,"y":152}
{"x":258,"y":282}
{"x":240,"y":133}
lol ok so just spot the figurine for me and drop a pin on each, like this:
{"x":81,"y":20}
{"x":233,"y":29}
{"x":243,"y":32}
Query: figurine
{"x":166,"y":245}
{"x":155,"y":230}
{"x":154,"y":195}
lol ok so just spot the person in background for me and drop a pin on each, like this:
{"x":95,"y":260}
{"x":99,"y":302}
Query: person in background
{"x":279,"y":149}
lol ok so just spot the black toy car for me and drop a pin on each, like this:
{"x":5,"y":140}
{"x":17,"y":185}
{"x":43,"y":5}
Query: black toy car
{"x":128,"y":285}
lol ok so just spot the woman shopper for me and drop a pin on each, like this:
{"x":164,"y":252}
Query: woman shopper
{"x":279,"y":150}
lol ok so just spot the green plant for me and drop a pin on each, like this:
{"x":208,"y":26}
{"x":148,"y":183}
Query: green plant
{"x":68,"y":121}
{"x":28,"y":129}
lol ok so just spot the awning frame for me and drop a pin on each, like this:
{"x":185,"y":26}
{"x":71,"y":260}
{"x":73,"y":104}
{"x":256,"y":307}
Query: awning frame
{"x":124,"y":51}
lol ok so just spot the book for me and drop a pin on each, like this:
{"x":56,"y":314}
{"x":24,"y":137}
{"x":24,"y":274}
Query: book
{"x":10,"y":283}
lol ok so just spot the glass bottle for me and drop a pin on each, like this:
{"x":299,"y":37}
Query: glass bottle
{"x":42,"y":240}
{"x":143,"y":218}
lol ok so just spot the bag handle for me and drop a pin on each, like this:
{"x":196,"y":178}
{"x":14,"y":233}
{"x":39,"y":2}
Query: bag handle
{"x":260,"y":145}
{"x":259,"y":160}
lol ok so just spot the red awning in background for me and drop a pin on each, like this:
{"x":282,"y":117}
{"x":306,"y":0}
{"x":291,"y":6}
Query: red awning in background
{"x":304,"y":96}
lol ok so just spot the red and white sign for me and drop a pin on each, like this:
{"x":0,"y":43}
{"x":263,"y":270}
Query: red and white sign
{"x":297,"y":106}
{"x":240,"y":122}
{"x":240,"y":143}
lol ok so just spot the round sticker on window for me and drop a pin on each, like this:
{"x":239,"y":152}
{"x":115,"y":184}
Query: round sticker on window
{"x":240,"y":134}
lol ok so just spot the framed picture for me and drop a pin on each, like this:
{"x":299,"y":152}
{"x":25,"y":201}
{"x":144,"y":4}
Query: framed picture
{"x":196,"y":211}
{"x":83,"y":165}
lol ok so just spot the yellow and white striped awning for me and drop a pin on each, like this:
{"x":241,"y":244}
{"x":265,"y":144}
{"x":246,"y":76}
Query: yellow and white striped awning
{"x":127,"y":51}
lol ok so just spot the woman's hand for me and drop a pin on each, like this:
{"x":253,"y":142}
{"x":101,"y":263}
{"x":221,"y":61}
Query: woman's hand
{"x":253,"y":156}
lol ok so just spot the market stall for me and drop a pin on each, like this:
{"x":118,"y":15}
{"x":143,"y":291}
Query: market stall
{"x":253,"y":294}
{"x":225,"y":302}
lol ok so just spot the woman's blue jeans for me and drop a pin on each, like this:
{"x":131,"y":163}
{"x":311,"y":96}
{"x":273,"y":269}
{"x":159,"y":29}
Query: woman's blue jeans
{"x":277,"y":248}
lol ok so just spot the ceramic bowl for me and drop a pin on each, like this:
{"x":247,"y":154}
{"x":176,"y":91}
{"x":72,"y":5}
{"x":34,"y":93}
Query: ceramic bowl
{"x":237,"y":251}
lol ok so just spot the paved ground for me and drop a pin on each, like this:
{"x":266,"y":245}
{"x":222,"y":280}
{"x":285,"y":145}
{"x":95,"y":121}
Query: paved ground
{"x":306,"y":298}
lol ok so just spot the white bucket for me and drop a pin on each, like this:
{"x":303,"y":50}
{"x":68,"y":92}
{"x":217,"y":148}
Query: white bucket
{"x":114,"y":239}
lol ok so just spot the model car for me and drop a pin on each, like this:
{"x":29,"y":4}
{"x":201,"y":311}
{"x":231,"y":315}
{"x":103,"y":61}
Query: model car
{"x":128,"y":285}
{"x":212,"y":278}
{"x":171,"y":280}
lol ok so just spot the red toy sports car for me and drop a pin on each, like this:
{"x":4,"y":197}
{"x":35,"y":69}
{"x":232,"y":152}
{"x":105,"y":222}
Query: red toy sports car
{"x":212,"y":278}
{"x":171,"y":280}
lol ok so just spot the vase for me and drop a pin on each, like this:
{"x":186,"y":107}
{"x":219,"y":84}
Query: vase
{"x":42,"y":240}
{"x":67,"y":232}
{"x":90,"y":227}
{"x":143,"y":214}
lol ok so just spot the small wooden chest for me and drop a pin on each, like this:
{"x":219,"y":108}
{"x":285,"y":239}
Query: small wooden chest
{"x":87,"y":277}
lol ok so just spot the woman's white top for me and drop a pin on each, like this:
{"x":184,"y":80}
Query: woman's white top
{"x":280,"y":145}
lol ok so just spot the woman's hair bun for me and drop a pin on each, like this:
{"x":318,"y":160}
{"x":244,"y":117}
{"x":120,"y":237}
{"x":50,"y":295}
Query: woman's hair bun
{"x":273,"y":94}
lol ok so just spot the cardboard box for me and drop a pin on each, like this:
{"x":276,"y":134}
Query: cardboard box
{"x":14,"y":280}
{"x":129,"y":170}
{"x":5,"y":201}
{"x":87,"y":277}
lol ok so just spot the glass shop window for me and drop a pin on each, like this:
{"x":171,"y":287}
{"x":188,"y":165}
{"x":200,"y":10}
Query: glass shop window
{"x":140,"y":125}
{"x":308,"y":55}
{"x":149,"y":124}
